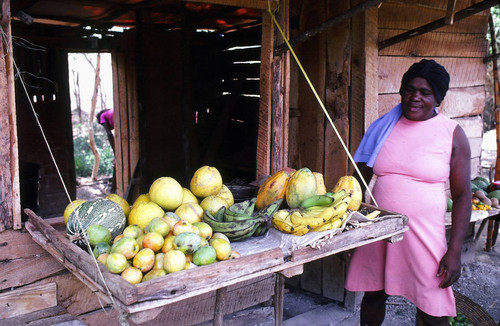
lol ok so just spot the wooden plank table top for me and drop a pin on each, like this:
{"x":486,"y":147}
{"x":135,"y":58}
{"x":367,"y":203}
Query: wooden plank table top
{"x":189,"y":283}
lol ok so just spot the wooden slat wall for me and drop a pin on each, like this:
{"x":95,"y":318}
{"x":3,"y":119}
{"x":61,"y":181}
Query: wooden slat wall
{"x":460,"y":48}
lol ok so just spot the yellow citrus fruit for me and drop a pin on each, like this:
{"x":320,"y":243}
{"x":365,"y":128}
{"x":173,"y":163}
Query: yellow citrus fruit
{"x":120,"y":201}
{"x":174,"y":261}
{"x":103,"y":257}
{"x":116,"y":262}
{"x":143,"y":213}
{"x":166,"y":192}
{"x":168,"y":244}
{"x":126,"y":246}
{"x":222,"y":248}
{"x":184,"y":226}
{"x":171,"y":218}
{"x":188,"y":196}
{"x":154,"y":273}
{"x":131,"y":274}
{"x":213,"y":203}
{"x":191,"y":212}
{"x":153,"y":240}
{"x":69,"y":209}
{"x":205,"y":230}
{"x":144,"y":198}
{"x":218,"y":235}
{"x":133,"y":231}
{"x":158,"y":264}
{"x":226,"y":194}
{"x":160,"y":225}
{"x":206,"y":181}
{"x":144,"y":260}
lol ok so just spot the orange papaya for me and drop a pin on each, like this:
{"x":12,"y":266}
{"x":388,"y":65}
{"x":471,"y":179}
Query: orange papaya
{"x":351,"y":186}
{"x":302,"y":185}
{"x":273,"y":188}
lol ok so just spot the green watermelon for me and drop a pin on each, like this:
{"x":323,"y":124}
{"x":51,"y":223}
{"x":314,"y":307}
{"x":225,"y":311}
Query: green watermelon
{"x":494,"y":194}
{"x":481,"y":184}
{"x":102,"y":211}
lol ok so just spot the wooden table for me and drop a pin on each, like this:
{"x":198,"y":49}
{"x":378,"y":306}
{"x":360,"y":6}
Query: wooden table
{"x":215,"y":289}
{"x":491,"y":217}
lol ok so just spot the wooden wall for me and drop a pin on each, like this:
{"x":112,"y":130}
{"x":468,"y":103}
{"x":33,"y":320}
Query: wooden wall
{"x":459,"y":47}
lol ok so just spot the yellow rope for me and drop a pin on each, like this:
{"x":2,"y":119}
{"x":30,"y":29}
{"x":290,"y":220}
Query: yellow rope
{"x":319,"y":101}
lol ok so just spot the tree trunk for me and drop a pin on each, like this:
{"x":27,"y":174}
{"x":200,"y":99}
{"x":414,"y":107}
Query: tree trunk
{"x":97,"y":158}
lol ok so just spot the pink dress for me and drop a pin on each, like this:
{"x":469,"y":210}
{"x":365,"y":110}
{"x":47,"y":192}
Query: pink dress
{"x":412,"y":169}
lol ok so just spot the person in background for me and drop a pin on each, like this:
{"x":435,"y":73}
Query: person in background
{"x":106,"y":119}
{"x":414,"y":150}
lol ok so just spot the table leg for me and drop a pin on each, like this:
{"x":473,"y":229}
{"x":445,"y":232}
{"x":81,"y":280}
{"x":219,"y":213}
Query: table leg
{"x":489,"y":236}
{"x":220,"y":296}
{"x":279,"y":299}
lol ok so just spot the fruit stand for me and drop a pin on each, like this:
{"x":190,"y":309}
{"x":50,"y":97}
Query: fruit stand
{"x":213,"y":290}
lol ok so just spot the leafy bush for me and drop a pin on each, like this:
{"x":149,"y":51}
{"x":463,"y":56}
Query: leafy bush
{"x":84,"y":158}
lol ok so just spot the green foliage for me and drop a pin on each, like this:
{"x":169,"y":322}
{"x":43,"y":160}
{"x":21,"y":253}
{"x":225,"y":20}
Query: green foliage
{"x":84,"y":158}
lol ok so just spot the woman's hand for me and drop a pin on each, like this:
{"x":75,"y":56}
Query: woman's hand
{"x":449,"y":268}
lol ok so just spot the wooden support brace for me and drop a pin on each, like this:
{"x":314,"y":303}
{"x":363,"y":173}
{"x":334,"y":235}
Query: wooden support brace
{"x":220,"y":302}
{"x":279,"y":299}
{"x":292,"y":271}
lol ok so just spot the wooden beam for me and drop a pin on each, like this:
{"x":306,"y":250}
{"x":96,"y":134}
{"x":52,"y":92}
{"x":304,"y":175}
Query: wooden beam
{"x":450,"y":12}
{"x":27,"y":299}
{"x":462,"y":14}
{"x":254,"y":4}
{"x":327,"y":24}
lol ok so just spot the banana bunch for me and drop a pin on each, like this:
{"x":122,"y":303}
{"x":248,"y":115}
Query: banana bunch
{"x":315,"y":217}
{"x":241,"y":220}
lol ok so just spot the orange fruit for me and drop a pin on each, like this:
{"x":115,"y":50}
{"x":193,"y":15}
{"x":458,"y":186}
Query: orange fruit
{"x":153,"y":240}
{"x":144,"y":260}
{"x":131,"y":274}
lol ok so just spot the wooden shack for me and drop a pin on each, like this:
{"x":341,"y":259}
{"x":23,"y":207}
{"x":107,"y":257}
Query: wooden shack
{"x":210,"y":82}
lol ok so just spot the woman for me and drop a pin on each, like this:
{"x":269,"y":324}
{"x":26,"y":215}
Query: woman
{"x":413,"y":150}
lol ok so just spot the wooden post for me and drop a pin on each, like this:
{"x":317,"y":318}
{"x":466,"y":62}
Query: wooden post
{"x":279,"y":299}
{"x":10,"y":205}
{"x":220,"y":296}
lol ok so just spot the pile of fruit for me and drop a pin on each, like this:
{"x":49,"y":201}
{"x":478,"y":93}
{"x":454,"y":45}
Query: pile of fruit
{"x":169,"y":229}
{"x":309,"y":206}
{"x":485,"y":195}
{"x":459,"y":320}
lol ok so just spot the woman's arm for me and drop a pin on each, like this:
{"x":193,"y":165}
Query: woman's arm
{"x":460,"y":173}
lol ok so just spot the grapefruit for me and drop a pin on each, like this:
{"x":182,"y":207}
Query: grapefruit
{"x":144,"y":198}
{"x":191,"y":212}
{"x":69,"y":209}
{"x":166,"y":192}
{"x":206,"y":181}
{"x":226,"y":194}
{"x":143,"y":213}
{"x":188,"y":196}
{"x":120,"y":201}
{"x":213,"y":203}
{"x":174,"y":261}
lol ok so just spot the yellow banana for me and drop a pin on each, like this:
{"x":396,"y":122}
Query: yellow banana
{"x":282,"y":222}
{"x":313,"y":218}
{"x":373,"y":214}
{"x":300,"y":230}
{"x":334,"y":223}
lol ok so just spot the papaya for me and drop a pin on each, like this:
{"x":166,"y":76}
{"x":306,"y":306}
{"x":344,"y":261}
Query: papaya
{"x":273,"y":188}
{"x":320,"y":183}
{"x":302,"y":185}
{"x":351,"y":186}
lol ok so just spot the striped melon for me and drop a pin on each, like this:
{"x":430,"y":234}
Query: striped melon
{"x":102,"y":211}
